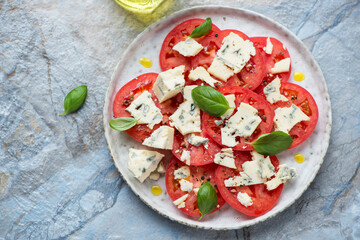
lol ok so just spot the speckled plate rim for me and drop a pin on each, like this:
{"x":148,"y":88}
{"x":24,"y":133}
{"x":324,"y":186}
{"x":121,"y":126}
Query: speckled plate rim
{"x":243,"y":11}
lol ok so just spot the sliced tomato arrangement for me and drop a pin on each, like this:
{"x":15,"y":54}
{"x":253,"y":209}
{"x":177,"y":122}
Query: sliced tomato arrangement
{"x":265,"y":112}
{"x":263,"y":200}
{"x":198,"y":175}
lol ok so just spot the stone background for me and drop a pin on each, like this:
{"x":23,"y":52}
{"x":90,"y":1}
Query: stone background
{"x":57,"y":179}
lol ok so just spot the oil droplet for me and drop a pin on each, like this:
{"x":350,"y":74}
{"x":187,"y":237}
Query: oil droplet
{"x":145,"y":62}
{"x":298,"y":76}
{"x":299,"y":158}
{"x":156,"y":190}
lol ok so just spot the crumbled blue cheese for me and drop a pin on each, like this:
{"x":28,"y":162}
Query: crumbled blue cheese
{"x":196,"y":190}
{"x":144,"y":109}
{"x":182,"y":172}
{"x":202,"y":74}
{"x":186,"y":118}
{"x":272,"y":91}
{"x":154,"y":176}
{"x":185,"y":185}
{"x":197,"y":140}
{"x":283,"y":175}
{"x":169,"y":83}
{"x":269,"y":46}
{"x":266,"y":168}
{"x":286,"y":118}
{"x":281,"y":66}
{"x":225,"y":158}
{"x":243,"y":123}
{"x":185,"y":157}
{"x":219,"y":122}
{"x":242,"y":180}
{"x":161,"y":168}
{"x":142,"y":162}
{"x":188,"y":48}
{"x":220,"y":70}
{"x":231,"y":100}
{"x":252,"y":170}
{"x":180,"y":202}
{"x":244,"y":199}
{"x":163,"y":138}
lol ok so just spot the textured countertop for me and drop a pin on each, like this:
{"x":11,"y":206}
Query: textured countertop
{"x":57,"y":179}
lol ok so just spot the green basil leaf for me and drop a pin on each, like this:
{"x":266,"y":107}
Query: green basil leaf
{"x":210,"y":100}
{"x":272,"y":143}
{"x":202,"y":30}
{"x":123,"y":123}
{"x":74,"y":99}
{"x":206,"y":199}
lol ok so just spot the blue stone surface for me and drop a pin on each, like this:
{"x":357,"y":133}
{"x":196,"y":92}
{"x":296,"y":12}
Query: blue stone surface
{"x":57,"y":179}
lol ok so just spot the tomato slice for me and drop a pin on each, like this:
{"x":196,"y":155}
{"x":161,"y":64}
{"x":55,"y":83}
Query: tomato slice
{"x":198,"y":175}
{"x":169,"y":58}
{"x":131,"y":91}
{"x":200,"y":155}
{"x":265,"y":112}
{"x":263,"y":200}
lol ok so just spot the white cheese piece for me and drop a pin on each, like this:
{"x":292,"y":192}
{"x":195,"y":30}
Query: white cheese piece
{"x":269,"y":46}
{"x":202,"y":74}
{"x":197,"y":140}
{"x":242,"y":180}
{"x":243,"y":123}
{"x":219,"y":122}
{"x":182,"y":172}
{"x":180,"y":202}
{"x":144,"y":109}
{"x":244,"y":199}
{"x":266,"y":168}
{"x":196,"y":190}
{"x":185,"y":157}
{"x":251,"y":169}
{"x":283,"y":175}
{"x":281,"y":66}
{"x":231,"y":100}
{"x":169,"y":83}
{"x":188,"y":48}
{"x":142,"y":162}
{"x":154,"y":176}
{"x":161,"y":168}
{"x":163,"y":138}
{"x":235,"y":52}
{"x":186,"y":118}
{"x":220,"y":70}
{"x":286,"y":118}
{"x":272,"y":91}
{"x":225,"y":158}
{"x":185,"y":185}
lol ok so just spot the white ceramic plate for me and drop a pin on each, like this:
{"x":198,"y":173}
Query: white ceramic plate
{"x":148,"y":44}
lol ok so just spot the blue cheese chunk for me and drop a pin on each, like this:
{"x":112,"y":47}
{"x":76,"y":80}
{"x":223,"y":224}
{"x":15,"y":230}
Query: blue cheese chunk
{"x":252,"y":170}
{"x":231,"y":100}
{"x":202,"y":74}
{"x":269,"y":46}
{"x":283,"y":175}
{"x":142,"y":162}
{"x":188,"y":48}
{"x":225,"y":158}
{"x":266,"y":168}
{"x":169,"y":83}
{"x":286,"y":118}
{"x":272,"y":91}
{"x":180,"y":202}
{"x":242,"y":180}
{"x":281,"y":66}
{"x":243,"y":123}
{"x":162,"y":138}
{"x":220,"y":70}
{"x":197,"y":140}
{"x":182,"y":172}
{"x":185,"y":157}
{"x":144,"y":109}
{"x":244,"y":199}
{"x":185,"y":185}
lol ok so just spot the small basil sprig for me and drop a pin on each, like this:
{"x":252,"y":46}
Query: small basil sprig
{"x":123,"y":123}
{"x":206,"y":199}
{"x":202,"y":30}
{"x":272,"y":143}
{"x":74,"y":99}
{"x":210,"y":100}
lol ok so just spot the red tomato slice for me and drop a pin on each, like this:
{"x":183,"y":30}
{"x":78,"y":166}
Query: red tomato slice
{"x":198,"y":175}
{"x":263,"y":200}
{"x":131,"y":91}
{"x":200,"y":155}
{"x":265,"y":111}
{"x":279,"y":53}
{"x":169,"y":58}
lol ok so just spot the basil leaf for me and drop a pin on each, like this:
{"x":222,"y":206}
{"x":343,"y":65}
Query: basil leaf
{"x":206,"y":199}
{"x":272,"y":143}
{"x":202,"y":30}
{"x":74,"y":99}
{"x":123,"y":123}
{"x":210,"y":100}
